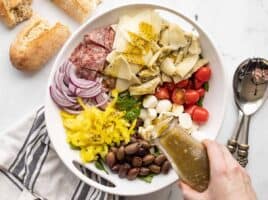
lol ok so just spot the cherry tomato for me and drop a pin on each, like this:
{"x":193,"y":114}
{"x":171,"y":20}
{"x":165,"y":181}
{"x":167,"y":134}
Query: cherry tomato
{"x":200,"y":115}
{"x":191,"y":96}
{"x":190,"y":85}
{"x":203,"y":73}
{"x":182,"y":84}
{"x":190,"y":109}
{"x":162,"y":93}
{"x":201,"y":92}
{"x":178,"y":96}
{"x":198,"y":84}
{"x":169,"y":85}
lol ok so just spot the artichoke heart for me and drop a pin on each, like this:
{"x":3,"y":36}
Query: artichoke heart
{"x":195,"y":46}
{"x":154,"y":58}
{"x":119,"y":68}
{"x":139,"y":42}
{"x":112,"y":56}
{"x":187,"y":64}
{"x":162,"y":52}
{"x":154,"y":71}
{"x":138,"y":59}
{"x":168,"y":66}
{"x":199,"y":63}
{"x":122,"y":85}
{"x":124,"y":46}
{"x":145,"y":88}
{"x":135,"y":68}
{"x":179,"y":57}
{"x":165,"y":78}
{"x":148,"y":24}
{"x":177,"y":78}
{"x":173,"y":35}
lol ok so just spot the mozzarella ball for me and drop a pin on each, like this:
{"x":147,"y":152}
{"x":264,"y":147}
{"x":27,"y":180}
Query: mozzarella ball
{"x":195,"y":127}
{"x":146,"y":133}
{"x":143,"y":114}
{"x":147,"y":122}
{"x":141,"y":130}
{"x":185,"y":121}
{"x":150,"y":101}
{"x":152,"y":114}
{"x":177,"y":109}
{"x":163,"y":106}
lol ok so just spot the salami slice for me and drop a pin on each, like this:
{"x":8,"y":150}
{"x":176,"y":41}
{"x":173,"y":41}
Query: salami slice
{"x":87,"y":74}
{"x":90,"y":56}
{"x":101,"y":36}
{"x":109,"y":39}
{"x":92,"y":52}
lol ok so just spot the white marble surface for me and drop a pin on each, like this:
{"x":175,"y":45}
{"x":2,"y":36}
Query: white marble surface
{"x":240,"y":30}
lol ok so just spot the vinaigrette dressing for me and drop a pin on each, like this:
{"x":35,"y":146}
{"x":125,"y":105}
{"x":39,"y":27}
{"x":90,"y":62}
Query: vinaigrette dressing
{"x":187,"y":156}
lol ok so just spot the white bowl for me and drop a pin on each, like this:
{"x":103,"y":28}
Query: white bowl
{"x":215,"y":102}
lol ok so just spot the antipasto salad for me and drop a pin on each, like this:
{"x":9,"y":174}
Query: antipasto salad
{"x":120,"y":81}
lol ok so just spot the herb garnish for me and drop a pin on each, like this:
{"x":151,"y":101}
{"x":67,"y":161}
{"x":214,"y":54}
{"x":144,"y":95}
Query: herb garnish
{"x":130,"y":104}
{"x":200,"y":102}
{"x":100,"y":165}
{"x":72,"y":146}
{"x":155,"y":151}
{"x":206,"y":86}
{"x":148,"y":178}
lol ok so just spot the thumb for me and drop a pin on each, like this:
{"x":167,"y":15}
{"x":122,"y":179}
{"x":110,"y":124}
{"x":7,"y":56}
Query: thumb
{"x":188,"y":193}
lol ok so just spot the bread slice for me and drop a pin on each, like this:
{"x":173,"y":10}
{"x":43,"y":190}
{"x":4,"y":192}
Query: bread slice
{"x":37,"y":43}
{"x":13,"y":12}
{"x":78,"y":9}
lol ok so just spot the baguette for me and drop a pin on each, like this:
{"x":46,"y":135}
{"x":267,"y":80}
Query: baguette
{"x":37,"y":43}
{"x":78,"y":9}
{"x":13,"y":12}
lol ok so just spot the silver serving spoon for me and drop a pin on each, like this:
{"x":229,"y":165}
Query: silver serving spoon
{"x":250,"y":91}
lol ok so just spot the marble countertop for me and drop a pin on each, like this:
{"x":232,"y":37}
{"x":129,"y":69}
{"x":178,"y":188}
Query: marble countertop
{"x":240,"y":30}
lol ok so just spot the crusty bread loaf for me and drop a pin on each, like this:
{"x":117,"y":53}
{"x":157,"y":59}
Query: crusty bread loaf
{"x":36,"y":43}
{"x":78,"y":9}
{"x":13,"y":12}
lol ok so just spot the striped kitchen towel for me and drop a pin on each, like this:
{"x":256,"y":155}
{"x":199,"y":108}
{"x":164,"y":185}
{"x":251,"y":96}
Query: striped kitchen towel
{"x":30,"y":168}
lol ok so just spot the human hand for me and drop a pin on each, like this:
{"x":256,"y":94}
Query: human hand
{"x":228,"y":180}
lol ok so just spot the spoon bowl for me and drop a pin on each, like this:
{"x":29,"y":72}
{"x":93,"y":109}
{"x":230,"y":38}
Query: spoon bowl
{"x":250,"y":84}
{"x":250,"y":93}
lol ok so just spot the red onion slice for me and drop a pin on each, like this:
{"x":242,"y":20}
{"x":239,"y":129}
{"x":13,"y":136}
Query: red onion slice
{"x":58,"y":79}
{"x":75,"y":112}
{"x":102,"y":99}
{"x":66,"y":66}
{"x":62,"y":68}
{"x":80,"y":83}
{"x":67,"y":87}
{"x":91,"y":92}
{"x":66,"y":79}
{"x":59,"y":98}
{"x":68,"y":95}
{"x":72,"y":88}
{"x":76,"y":107}
{"x":104,"y":90}
{"x":99,"y":79}
{"x":66,"y":90}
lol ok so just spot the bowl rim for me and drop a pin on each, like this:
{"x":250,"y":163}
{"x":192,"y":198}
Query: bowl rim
{"x":80,"y":29}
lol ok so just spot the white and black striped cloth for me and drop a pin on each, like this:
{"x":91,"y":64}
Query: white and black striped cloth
{"x":30,"y":168}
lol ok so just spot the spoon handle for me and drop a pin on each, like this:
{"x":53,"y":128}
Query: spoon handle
{"x":232,"y":142}
{"x":243,"y":147}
